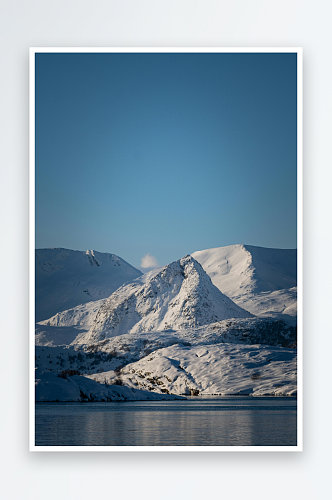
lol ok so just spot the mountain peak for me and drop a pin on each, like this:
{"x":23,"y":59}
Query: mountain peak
{"x":262,"y":280}
{"x":180,"y":295}
{"x":249,"y":268}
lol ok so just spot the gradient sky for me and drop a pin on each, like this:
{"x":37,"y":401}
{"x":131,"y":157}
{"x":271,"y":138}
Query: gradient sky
{"x":165,"y":154}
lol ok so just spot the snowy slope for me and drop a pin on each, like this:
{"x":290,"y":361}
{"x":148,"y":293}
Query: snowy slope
{"x":277,"y":304}
{"x":220,"y":369}
{"x":50,"y":387}
{"x":46,"y":335}
{"x":67,"y":278}
{"x":109,"y":359}
{"x":255,"y":330}
{"x":54,"y":353}
{"x":261,"y":280}
{"x":82,"y":315}
{"x":180,"y":295}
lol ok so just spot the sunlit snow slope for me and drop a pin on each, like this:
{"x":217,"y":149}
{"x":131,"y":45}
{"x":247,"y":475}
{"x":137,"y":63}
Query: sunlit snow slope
{"x":261,"y":280}
{"x":180,"y":295}
{"x":67,"y":278}
{"x":215,"y":369}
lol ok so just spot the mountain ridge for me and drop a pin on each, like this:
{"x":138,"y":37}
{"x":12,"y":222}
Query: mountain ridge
{"x":180,"y":295}
{"x":261,"y":280}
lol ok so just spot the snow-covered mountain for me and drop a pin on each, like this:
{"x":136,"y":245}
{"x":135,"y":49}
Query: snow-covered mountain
{"x":239,"y":356}
{"x":261,"y":280}
{"x":169,"y":331}
{"x":180,"y":295}
{"x":67,"y":278}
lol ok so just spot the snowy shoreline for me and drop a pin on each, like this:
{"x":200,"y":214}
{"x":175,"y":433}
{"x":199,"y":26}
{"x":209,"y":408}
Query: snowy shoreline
{"x":206,"y":397}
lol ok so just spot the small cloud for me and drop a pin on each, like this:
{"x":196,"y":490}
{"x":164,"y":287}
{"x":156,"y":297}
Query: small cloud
{"x":148,"y":261}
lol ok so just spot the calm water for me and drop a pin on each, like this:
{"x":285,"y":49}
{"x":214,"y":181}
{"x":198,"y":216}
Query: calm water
{"x":222,"y":421}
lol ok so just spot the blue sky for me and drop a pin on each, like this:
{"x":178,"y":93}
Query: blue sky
{"x":165,"y":154}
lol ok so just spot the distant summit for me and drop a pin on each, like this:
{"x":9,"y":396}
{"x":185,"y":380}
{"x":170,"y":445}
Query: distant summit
{"x":262,"y":280}
{"x":67,"y":278}
{"x":177,"y":296}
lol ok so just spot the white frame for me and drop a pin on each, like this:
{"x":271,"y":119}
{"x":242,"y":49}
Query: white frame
{"x":299,"y":52}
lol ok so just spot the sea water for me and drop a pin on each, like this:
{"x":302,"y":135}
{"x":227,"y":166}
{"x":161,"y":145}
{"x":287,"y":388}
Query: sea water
{"x":218,"y":421}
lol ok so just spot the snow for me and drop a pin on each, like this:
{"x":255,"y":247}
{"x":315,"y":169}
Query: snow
{"x":171,"y":330}
{"x":220,"y":369}
{"x":50,"y":387}
{"x":107,"y":359}
{"x":276,"y":304}
{"x":261,"y":280}
{"x":180,"y":295}
{"x":82,"y":315}
{"x":67,"y":278}
{"x":46,"y":335}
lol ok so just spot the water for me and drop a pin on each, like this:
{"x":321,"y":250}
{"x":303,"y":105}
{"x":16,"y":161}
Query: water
{"x":222,"y":421}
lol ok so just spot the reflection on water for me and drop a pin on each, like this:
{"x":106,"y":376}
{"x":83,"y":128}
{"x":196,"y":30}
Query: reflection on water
{"x":226,"y":421}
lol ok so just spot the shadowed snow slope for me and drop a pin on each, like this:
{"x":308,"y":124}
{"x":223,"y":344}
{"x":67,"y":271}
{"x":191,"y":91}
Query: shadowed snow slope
{"x":50,"y":387}
{"x":67,"y":278}
{"x":180,"y":295}
{"x":262,"y":280}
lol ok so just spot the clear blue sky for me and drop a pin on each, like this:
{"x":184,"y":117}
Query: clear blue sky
{"x":165,"y":153}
